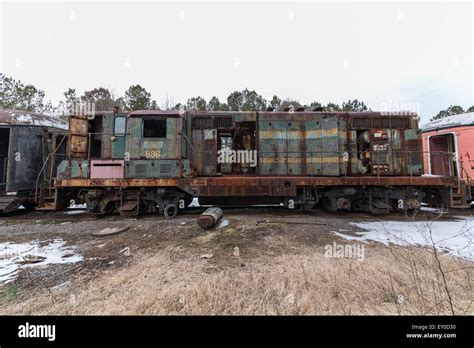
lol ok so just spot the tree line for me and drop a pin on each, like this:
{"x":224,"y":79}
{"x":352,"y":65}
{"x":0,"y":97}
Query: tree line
{"x":15,"y":94}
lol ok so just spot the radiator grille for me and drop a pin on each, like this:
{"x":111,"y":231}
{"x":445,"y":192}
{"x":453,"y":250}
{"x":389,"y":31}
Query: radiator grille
{"x":401,"y":122}
{"x":223,"y":122}
{"x":380,"y":122}
{"x":202,"y":122}
{"x":165,"y":169}
{"x":140,"y":170}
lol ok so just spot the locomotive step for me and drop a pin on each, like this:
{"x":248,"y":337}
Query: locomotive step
{"x":129,"y":208}
{"x":47,"y":207}
{"x":49,"y":199}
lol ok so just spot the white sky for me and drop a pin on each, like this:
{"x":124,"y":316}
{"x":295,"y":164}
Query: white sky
{"x":392,"y":55}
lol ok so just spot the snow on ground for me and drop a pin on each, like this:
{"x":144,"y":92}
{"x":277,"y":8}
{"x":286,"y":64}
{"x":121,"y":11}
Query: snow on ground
{"x":14,"y":256}
{"x":74,"y":212}
{"x":194,"y":203}
{"x":455,"y":237}
{"x":433,"y":210}
{"x":74,"y":208}
{"x":223,"y":223}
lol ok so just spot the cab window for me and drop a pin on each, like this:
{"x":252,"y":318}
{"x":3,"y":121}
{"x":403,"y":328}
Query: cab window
{"x":119,"y":126}
{"x":155,"y":128}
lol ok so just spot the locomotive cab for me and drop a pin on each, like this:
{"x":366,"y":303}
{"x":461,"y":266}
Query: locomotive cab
{"x":155,"y":147}
{"x":141,"y":156}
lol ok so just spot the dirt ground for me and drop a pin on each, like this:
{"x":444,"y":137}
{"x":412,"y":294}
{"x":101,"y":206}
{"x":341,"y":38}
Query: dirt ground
{"x":264,"y":261}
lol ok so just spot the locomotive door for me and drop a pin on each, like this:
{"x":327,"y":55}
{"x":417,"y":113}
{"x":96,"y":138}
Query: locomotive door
{"x":204,"y":152}
{"x":330,"y":146}
{"x":381,"y":151}
{"x":119,"y":136}
{"x":26,"y":157}
{"x":442,"y":161}
{"x":78,"y":144}
{"x":4,"y":149}
{"x":278,"y":146}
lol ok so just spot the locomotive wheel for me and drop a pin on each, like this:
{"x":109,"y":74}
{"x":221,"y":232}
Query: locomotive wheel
{"x":170,"y":211}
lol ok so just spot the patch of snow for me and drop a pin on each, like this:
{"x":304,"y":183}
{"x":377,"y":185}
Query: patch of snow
{"x":47,"y":123}
{"x":13,"y":254}
{"x":433,"y":210}
{"x":74,"y":212}
{"x":194,"y":203}
{"x":455,"y":237}
{"x":348,"y":237}
{"x":40,"y":120}
{"x":24,"y":118}
{"x":223,"y":223}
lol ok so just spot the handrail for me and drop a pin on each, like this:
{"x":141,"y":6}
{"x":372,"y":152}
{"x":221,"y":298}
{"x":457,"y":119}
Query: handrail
{"x":467,"y":176}
{"x":5,"y":170}
{"x":44,"y":166}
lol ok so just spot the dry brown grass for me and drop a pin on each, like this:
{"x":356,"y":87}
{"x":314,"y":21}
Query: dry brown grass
{"x":389,"y":281}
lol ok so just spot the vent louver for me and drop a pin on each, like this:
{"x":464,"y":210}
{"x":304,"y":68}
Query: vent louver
{"x":140,"y":170}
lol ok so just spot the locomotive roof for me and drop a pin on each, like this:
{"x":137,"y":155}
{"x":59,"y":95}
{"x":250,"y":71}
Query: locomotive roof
{"x":19,"y":117}
{"x":335,"y":113}
{"x":351,"y":113}
{"x":450,"y":122}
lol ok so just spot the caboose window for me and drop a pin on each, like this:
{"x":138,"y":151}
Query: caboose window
{"x":154,"y":128}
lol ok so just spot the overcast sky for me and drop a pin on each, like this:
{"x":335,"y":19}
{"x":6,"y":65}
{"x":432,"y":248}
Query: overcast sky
{"x":390,"y":55}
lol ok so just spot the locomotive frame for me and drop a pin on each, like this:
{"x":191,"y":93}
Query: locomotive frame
{"x":157,"y":161}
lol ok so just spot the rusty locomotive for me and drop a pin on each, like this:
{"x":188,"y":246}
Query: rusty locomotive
{"x":158,"y":161}
{"x":27,"y":144}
